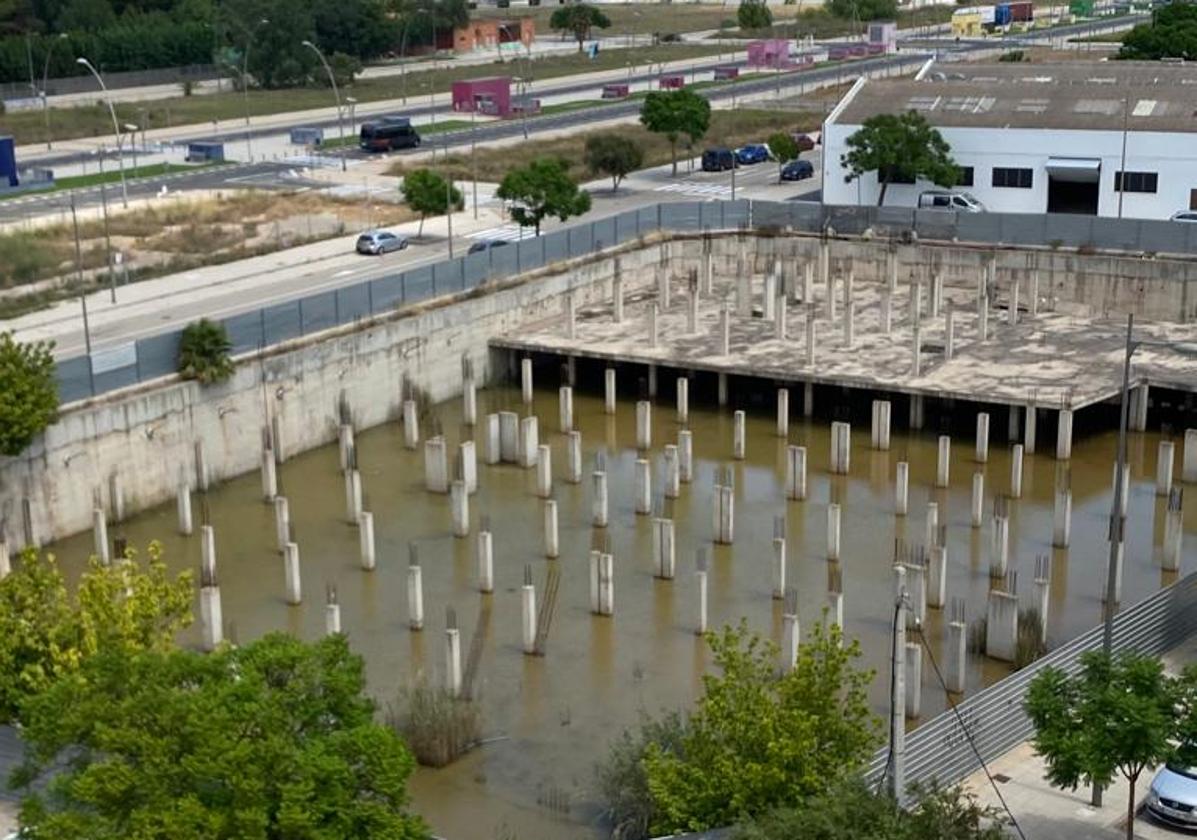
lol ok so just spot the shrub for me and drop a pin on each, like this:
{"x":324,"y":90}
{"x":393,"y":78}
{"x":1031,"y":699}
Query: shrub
{"x":622,"y":781}
{"x":204,"y":352}
{"x":437,"y":726}
{"x":30,"y":401}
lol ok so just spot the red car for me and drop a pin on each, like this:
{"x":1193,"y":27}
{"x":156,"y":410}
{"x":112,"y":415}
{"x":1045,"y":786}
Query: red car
{"x":804,"y":141}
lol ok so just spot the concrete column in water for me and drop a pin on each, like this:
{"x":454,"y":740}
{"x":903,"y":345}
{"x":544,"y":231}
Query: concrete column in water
{"x":769,"y":297}
{"x":1029,"y":424}
{"x":598,"y":502}
{"x":902,"y":489}
{"x":916,"y":355}
{"x":528,"y":618}
{"x":833,"y":532}
{"x":492,"y":451}
{"x":1163,"y":467}
{"x":779,"y":568}
{"x":789,"y":642}
{"x":211,"y":619}
{"x":1012,"y":314}
{"x":291,"y":577}
{"x":469,"y":401}
{"x":411,"y":425}
{"x":466,"y":452}
{"x":977,"y":508}
{"x":780,"y":319}
{"x":810,"y":337}
{"x":415,"y":597}
{"x":1119,"y":564}
{"x":949,"y":334}
{"x":544,"y":472}
{"x":365,"y":540}
{"x":1043,"y":587}
{"x":573,"y":458}
{"x":1189,"y":470}
{"x":353,"y":496}
{"x":937,"y":576}
{"x":841,"y":447}
{"x":282,"y":522}
{"x":724,"y":331}
{"x":914,"y":680}
{"x":1016,"y":471}
{"x":1125,"y":484}
{"x":1001,"y":626}
{"x":201,"y":467}
{"x":617,"y":297}
{"x":982,"y":454}
{"x":683,"y":400}
{"x":1062,"y":518}
{"x":692,"y":315}
{"x":643,"y":489}
{"x":453,"y":661}
{"x":644,"y":425}
{"x":685,"y":456}
{"x":550,"y":530}
{"x":672,"y":472}
{"x":850,"y":324}
{"x":183,"y":503}
{"x":831,"y":297}
{"x":957,"y":656}
{"x":738,"y":435}
{"x":1033,"y":302}
{"x":931,"y":524}
{"x":880,"y":433}
{"x":983,"y":317}
{"x":664,"y":561}
{"x":484,"y":550}
{"x":526,"y":380}
{"x":345,"y":444}
{"x":796,"y":473}
{"x":700,"y":579}
{"x":1064,"y":435}
{"x":606,"y":584}
{"x":332,"y":617}
{"x":724,"y":514}
{"x":783,"y":412}
{"x":916,"y":589}
{"x":99,"y":530}
{"x":999,"y":547}
{"x":1173,"y":532}
{"x":835,"y":609}
{"x":609,"y":394}
{"x":1138,"y":405}
{"x":269,"y":470}
{"x":459,"y":508}
{"x":565,"y":409}
{"x":529,"y":441}
{"x":943,"y":461}
{"x":898,"y":687}
{"x":436,"y":466}
{"x":887,"y":311}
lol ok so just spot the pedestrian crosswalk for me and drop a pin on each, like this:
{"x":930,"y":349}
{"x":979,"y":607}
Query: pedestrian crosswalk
{"x":508,"y":233}
{"x":697,"y":189}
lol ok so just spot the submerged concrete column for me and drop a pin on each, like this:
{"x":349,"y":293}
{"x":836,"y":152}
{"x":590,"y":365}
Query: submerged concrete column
{"x":779,"y":568}
{"x":292,"y":581}
{"x":211,"y":617}
{"x":780,"y":319}
{"x":469,"y":465}
{"x":345,"y":445}
{"x":796,"y":472}
{"x":269,"y":470}
{"x":982,"y":455}
{"x":976,"y":509}
{"x":544,"y":471}
{"x":492,"y":451}
{"x":1173,"y":532}
{"x":332,"y":617}
{"x":783,"y":412}
{"x":573,"y":458}
{"x":1139,"y":401}
{"x":526,"y":380}
{"x":365,"y":540}
{"x":609,"y":394}
{"x":282,"y":522}
{"x":685,"y":456}
{"x":1119,"y":564}
{"x":999,"y":547}
{"x":643,"y":490}
{"x":1163,"y":467}
{"x":1064,"y":435}
{"x":789,"y":642}
{"x":1189,"y":471}
{"x":201,"y":467}
{"x":469,"y":401}
{"x":841,"y":447}
{"x":916,"y":588}
{"x":683,"y":400}
{"x":1062,"y":518}
{"x":700,"y":580}
{"x":882,"y":411}
{"x":1029,"y":424}
{"x":353,"y":496}
{"x":1016,"y":471}
{"x":528,"y":618}
{"x":664,"y":562}
{"x":598,"y":502}
{"x":459,"y":508}
{"x":550,"y":529}
{"x":99,"y":531}
{"x":415,"y":597}
{"x":644,"y":425}
{"x":529,"y":448}
{"x":949,"y":334}
{"x":833,"y":532}
{"x":673,"y":475}
{"x":943,"y":461}
{"x":931,"y":524}
{"x":1125,"y":484}
{"x":810,"y":337}
{"x":411,"y":425}
{"x":957,"y":656}
{"x":1001,"y":626}
{"x":484,"y":549}
{"x":887,"y":311}
{"x":453,"y":661}
{"x":606,"y":584}
{"x":724,"y":514}
{"x":183,"y":503}
{"x":724,"y":331}
{"x":565,"y":409}
{"x":937,"y":576}
{"x":436,"y":466}
{"x":738,"y":435}
{"x":902,"y":489}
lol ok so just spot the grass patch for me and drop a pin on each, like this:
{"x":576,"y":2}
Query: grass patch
{"x":643,"y":18}
{"x":437,"y":726}
{"x":728,"y":128}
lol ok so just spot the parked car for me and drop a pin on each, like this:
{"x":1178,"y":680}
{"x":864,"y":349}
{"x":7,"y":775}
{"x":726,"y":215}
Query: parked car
{"x":388,"y":133}
{"x":718,"y":160}
{"x":945,"y":200}
{"x":486,"y":245}
{"x":1172,"y":797}
{"x":804,"y":141}
{"x":797,"y":170}
{"x":752,"y":153}
{"x":1185,"y":216}
{"x":377,"y":242}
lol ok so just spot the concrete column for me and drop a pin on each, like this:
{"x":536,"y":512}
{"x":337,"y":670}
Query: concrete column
{"x":850,"y":324}
{"x":183,"y":502}
{"x":887,"y":311}
{"x":916,"y":302}
{"x":345,"y":445}
{"x":833,"y":532}
{"x":831,"y":297}
{"x":1189,"y":470}
{"x":783,"y":412}
{"x":550,"y":530}
{"x":654,"y":327}
{"x":469,"y":402}
{"x":1001,"y":626}
{"x":724,"y":331}
{"x":606,"y":584}
{"x":902,"y":489}
{"x":459,"y":508}
{"x":644,"y":425}
{"x":700,"y":624}
{"x":780,"y":319}
{"x":411,"y":425}
{"x":683,"y":400}
{"x":779,"y":568}
{"x":1029,"y":424}
{"x":1064,"y":435}
{"x":573,"y":458}
{"x":529,"y":441}
{"x":724,"y":514}
{"x":99,"y":531}
{"x":211,"y":619}
{"x":365,"y":540}
{"x":949,"y":334}
{"x":596,"y":557}
{"x":743,"y":289}
{"x":810,"y":337}
{"x":1163,"y":468}
{"x":609,"y":394}
{"x":931,"y":524}
{"x":332,"y":618}
{"x":769,"y":297}
{"x":528,"y":618}
{"x":957,"y":656}
{"x":898,"y":688}
{"x":1139,"y":401}
{"x":914,"y":680}
{"x":526,"y":380}
{"x":977,"y":508}
{"x":999,"y":547}
{"x":1016,"y":471}
{"x":207,"y":553}
{"x":544,"y":472}
{"x":789,"y":642}
{"x":841,"y":447}
{"x":436,"y":466}
{"x":201,"y":467}
{"x":692,"y":315}
{"x":672,"y":472}
{"x":882,"y":412}
{"x":738,"y":435}
{"x":808,"y":282}
{"x":1173,"y":533}
{"x":916,"y":354}
{"x":453,"y":661}
{"x":1033,"y":303}
{"x":291,"y":578}
{"x":276,"y":439}
{"x":269,"y":472}
{"x":796,"y":473}
{"x":415,"y":597}
{"x":943,"y":461}
{"x":982,"y":455}
{"x":617,"y":298}
{"x":282,"y":522}
{"x":484,"y":549}
{"x":937,"y":576}
{"x":598,"y":503}
{"x":492,"y":451}
{"x":664,"y":560}
{"x":1062,"y":518}
{"x":916,"y":588}
{"x":983,"y":317}
{"x":723,"y":395}
{"x":685,"y":456}
{"x":469,"y":465}
{"x":916,"y":411}
{"x":835,"y":610}
{"x":565,"y":409}
{"x":643,"y":497}
{"x":353,"y":496}
{"x":936,"y":294}
{"x":1125,"y":484}
{"x":1119,"y":564}
{"x":1042,"y":599}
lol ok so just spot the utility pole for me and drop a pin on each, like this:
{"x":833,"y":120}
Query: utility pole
{"x":79,"y":275}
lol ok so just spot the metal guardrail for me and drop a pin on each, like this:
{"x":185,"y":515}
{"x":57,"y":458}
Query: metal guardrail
{"x":105,"y":370}
{"x":994,"y":716}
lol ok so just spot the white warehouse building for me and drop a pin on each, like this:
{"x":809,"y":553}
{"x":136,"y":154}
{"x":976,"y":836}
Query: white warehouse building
{"x":1035,"y":138}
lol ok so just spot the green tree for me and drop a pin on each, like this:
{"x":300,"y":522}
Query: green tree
{"x":862,"y":10}
{"x":45,"y":633}
{"x":1172,"y":33}
{"x":579,"y":19}
{"x":30,"y":401}
{"x":754,"y":14}
{"x":86,"y":15}
{"x":275,"y":739}
{"x":1116,"y":715}
{"x":426,"y":192}
{"x":541,"y":189}
{"x":613,"y":155}
{"x":899,"y":144}
{"x":278,"y":57}
{"x":757,"y":739}
{"x":784,"y":147}
{"x":674,"y":113}
{"x":204,"y":351}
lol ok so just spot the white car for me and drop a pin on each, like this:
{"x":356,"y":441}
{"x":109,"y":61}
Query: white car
{"x":1185,"y":216}
{"x":1172,"y":797}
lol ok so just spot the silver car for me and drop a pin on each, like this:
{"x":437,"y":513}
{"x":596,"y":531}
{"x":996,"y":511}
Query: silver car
{"x":1173,"y":796}
{"x":380,"y":242}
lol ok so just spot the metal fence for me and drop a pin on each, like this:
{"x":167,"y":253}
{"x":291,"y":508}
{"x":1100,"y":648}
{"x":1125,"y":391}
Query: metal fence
{"x":148,"y":358}
{"x":85,"y":82}
{"x":995,"y":718}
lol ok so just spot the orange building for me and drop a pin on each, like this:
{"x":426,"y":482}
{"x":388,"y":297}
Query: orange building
{"x":493,"y":34}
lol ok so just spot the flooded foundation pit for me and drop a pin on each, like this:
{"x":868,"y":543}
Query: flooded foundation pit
{"x":553,"y":716}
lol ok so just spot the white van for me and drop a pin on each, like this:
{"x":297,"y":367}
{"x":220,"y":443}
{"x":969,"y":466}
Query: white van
{"x":944,"y":200}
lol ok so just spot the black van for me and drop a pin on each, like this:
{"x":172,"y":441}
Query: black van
{"x":718,"y":160}
{"x":387,"y":134}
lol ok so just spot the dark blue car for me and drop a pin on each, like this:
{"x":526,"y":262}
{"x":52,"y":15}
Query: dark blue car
{"x":752,"y":153}
{"x":797,"y":170}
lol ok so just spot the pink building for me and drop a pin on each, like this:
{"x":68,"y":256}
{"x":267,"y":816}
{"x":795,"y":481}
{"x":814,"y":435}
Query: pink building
{"x":490,"y":96}
{"x":771,"y":52}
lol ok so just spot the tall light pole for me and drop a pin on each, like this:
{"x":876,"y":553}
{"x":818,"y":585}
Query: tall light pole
{"x":332,"y":80}
{"x":46,"y":83}
{"x":249,"y":38}
{"x":403,"y":50}
{"x":132,"y":129}
{"x":120,"y":160}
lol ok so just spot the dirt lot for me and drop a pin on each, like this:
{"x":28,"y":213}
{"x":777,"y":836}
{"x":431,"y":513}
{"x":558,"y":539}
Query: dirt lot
{"x":647,"y":18}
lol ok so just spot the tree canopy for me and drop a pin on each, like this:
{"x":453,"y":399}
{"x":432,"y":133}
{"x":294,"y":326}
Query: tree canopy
{"x":271,"y":740}
{"x":579,"y":19}
{"x":754,"y":14}
{"x":674,"y":113}
{"x":613,"y":155}
{"x":1172,"y":33}
{"x":542,"y":189}
{"x":784,"y":147}
{"x":862,"y":10}
{"x":30,"y":401}
{"x":894,"y":145}
{"x":426,"y":192}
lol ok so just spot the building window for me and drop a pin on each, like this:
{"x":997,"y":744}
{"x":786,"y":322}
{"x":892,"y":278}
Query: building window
{"x":1020,"y":178}
{"x":966,"y":176}
{"x":896,"y":175}
{"x":1140,"y":182}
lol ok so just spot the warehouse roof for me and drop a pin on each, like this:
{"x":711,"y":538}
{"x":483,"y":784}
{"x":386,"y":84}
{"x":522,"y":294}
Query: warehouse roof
{"x":1078,"y":95}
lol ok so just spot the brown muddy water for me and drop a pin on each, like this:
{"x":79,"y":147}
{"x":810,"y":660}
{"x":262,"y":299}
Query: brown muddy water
{"x":553,"y":717}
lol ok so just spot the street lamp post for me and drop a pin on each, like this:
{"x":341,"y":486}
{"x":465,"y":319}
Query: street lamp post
{"x":249,"y":37}
{"x":352,"y":103}
{"x":107,"y":236}
{"x":120,"y":160}
{"x":403,"y":50}
{"x":332,"y":80}
{"x":46,"y":84}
